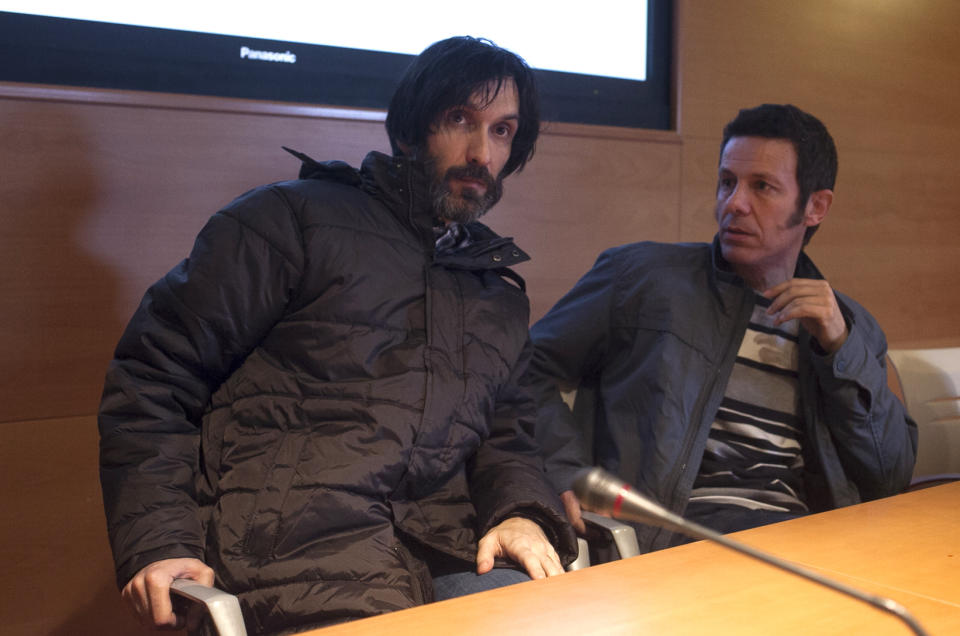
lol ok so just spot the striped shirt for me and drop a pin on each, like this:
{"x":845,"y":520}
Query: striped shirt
{"x":753,"y":457}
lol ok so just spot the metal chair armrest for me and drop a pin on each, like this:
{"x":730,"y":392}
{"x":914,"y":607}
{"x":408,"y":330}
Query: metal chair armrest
{"x":224,"y":608}
{"x":624,"y":536}
{"x":583,"y":556}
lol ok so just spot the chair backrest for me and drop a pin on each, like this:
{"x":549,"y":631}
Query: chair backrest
{"x":930,"y":381}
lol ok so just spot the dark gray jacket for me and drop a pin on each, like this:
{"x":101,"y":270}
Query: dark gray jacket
{"x":651,"y":334}
{"x":315,"y":403}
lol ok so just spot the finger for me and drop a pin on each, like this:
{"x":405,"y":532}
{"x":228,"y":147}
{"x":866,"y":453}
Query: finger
{"x":806,"y":307}
{"x":486,"y":553}
{"x":204,"y":575}
{"x":776,"y":290}
{"x":551,"y":564}
{"x":786,"y":296}
{"x":533,"y":565}
{"x":158,"y":597}
{"x":777,"y":305}
{"x":135,"y":598}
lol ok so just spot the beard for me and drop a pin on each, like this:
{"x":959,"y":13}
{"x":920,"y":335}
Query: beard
{"x":469,"y":205}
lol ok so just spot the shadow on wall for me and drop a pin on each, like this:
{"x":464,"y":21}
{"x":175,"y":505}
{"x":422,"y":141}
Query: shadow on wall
{"x":59,"y":326}
{"x":58,"y":298}
{"x":103,"y":616}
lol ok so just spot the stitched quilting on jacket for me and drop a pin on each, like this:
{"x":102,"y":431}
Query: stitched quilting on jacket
{"x":357,"y":392}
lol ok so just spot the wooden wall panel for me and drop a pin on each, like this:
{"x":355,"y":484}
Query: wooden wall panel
{"x":102,"y":192}
{"x":100,"y":200}
{"x":632,"y":196}
{"x":885,"y":79}
{"x":58,"y":577}
{"x":876,"y":72}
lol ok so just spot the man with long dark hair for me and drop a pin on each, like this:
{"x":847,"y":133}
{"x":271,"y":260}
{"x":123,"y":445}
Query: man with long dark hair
{"x":729,"y":381}
{"x":319,"y":409}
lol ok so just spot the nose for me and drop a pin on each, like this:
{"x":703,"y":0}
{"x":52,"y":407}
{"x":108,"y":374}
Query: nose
{"x":737,"y":201}
{"x":478,"y":148}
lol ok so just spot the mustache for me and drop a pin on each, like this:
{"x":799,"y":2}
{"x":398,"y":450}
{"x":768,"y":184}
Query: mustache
{"x":471,"y":171}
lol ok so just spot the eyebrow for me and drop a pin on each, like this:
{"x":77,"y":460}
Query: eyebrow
{"x":766,"y":176}
{"x":475,"y":107}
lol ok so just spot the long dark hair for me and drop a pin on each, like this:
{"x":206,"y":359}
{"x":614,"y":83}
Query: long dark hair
{"x":447,"y":74}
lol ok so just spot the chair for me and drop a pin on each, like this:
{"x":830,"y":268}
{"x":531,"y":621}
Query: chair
{"x":608,"y":537}
{"x":930,"y":382}
{"x":222,"y":608}
{"x":607,"y":540}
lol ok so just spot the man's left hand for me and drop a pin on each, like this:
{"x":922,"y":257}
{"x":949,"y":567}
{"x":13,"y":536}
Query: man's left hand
{"x":520,"y":540}
{"x":814,"y":304}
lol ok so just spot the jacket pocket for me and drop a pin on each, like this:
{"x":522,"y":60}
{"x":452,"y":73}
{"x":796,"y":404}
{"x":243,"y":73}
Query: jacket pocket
{"x":421,"y":582}
{"x":262,"y":527}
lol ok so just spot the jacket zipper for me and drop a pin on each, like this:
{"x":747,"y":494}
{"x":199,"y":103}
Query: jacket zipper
{"x":726,"y":362}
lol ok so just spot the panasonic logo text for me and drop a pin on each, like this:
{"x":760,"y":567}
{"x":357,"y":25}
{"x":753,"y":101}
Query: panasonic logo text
{"x":287,"y":57}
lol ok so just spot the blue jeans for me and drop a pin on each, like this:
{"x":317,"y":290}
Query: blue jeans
{"x":469,"y":582}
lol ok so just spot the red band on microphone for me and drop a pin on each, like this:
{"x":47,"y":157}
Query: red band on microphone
{"x":619,"y":500}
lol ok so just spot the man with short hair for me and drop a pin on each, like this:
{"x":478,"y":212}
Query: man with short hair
{"x":728,"y":381}
{"x":319,"y":409}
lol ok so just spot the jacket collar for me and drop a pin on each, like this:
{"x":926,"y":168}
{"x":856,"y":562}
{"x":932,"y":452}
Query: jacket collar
{"x":723,"y":270}
{"x":402,"y":186}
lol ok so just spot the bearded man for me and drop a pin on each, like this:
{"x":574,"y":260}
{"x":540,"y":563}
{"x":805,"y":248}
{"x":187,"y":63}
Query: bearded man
{"x":319,"y":410}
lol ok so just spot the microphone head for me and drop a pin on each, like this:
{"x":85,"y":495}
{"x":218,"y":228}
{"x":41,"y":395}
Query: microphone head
{"x":597,"y":489}
{"x":601,"y":492}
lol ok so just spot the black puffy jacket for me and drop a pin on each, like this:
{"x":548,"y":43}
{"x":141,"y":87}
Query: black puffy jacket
{"x":315,"y":396}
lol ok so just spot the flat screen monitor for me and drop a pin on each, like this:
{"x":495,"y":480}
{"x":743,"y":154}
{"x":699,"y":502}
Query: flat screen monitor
{"x":609,"y":65}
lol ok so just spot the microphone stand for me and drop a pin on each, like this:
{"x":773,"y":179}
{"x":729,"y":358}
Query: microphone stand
{"x":601,"y":492}
{"x":697,"y":531}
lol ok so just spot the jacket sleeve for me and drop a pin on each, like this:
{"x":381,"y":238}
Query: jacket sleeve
{"x":570,"y":343}
{"x":876,"y":440}
{"x":192,"y":329}
{"x":506,"y":474}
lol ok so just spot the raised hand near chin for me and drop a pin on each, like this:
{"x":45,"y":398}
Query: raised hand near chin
{"x":814,"y":304}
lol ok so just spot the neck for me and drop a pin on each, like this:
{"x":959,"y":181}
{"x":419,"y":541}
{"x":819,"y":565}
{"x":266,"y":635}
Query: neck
{"x":762,"y":278}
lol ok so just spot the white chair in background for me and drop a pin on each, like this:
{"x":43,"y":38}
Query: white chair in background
{"x":930,"y":381}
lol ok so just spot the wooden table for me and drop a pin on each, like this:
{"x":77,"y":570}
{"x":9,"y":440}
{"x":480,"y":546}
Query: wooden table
{"x":905,"y":547}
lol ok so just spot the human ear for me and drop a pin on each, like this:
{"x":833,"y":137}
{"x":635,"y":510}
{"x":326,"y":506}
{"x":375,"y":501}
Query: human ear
{"x":818,"y":204}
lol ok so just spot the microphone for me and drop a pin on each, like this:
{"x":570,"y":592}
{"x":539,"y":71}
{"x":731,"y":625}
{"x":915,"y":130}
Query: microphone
{"x":601,"y":492}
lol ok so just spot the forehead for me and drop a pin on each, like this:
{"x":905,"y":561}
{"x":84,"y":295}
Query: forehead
{"x":495,"y":96}
{"x":759,"y":155}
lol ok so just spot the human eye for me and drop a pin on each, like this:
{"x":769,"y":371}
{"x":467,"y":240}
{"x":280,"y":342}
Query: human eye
{"x":456,"y":116}
{"x":504,"y":130}
{"x":725,"y":183}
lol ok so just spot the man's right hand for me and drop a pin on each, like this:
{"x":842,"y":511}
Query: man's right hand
{"x":572,"y":506}
{"x":148,"y":592}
